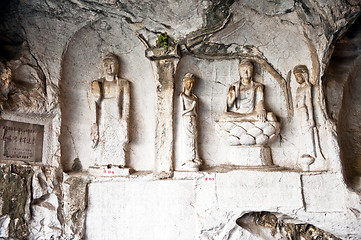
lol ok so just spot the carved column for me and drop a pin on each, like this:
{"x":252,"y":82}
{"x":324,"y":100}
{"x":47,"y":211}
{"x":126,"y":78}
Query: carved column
{"x":164,"y":66}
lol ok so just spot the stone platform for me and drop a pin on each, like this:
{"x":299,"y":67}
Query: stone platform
{"x":249,"y":156}
{"x":109,"y":171}
{"x":194,"y":205}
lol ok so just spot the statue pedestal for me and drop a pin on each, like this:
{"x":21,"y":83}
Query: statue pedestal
{"x":191,"y":166}
{"x":247,"y":133}
{"x":105,"y":171}
{"x":249,"y":156}
{"x":248,"y":141}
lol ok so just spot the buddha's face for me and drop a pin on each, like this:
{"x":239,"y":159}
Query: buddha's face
{"x":246,"y":73}
{"x":109,"y":67}
{"x":301,"y":76}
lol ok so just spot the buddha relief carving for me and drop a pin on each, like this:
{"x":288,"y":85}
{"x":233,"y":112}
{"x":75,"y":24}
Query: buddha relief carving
{"x":189,"y":111}
{"x":245,"y":120}
{"x":110,"y":114}
{"x":245,"y":98}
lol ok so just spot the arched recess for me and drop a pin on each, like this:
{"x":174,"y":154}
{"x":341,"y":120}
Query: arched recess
{"x":82,"y":64}
{"x":343,"y":97}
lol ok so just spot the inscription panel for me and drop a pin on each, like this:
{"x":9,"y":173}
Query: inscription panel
{"x":21,"y":141}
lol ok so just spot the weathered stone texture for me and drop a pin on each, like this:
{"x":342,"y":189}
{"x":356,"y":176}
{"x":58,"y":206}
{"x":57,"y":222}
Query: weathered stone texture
{"x":50,"y":53}
{"x":15,"y":192}
{"x":150,"y":209}
{"x":75,"y":204}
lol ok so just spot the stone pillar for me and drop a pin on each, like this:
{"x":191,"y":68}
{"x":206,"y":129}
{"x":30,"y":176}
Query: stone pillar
{"x":164,"y":65}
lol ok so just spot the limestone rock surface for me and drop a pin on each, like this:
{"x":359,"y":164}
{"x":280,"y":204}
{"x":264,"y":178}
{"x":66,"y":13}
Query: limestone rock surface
{"x":49,"y":55}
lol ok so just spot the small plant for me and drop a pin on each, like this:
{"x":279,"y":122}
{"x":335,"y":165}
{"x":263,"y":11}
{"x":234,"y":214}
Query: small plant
{"x":163,"y":40}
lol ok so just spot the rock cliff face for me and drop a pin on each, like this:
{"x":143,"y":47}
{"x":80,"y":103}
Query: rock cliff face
{"x":52,"y":51}
{"x":342,"y":91}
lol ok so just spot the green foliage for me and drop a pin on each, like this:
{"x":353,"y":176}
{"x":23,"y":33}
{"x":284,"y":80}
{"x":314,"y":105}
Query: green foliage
{"x":163,"y":40}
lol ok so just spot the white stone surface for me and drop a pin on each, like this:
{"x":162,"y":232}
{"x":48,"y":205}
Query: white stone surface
{"x":249,"y":156}
{"x":329,"y":196}
{"x":259,"y":190}
{"x":138,"y":210}
{"x":67,"y":40}
{"x":4,"y":226}
{"x":105,"y":171}
{"x":45,"y":223}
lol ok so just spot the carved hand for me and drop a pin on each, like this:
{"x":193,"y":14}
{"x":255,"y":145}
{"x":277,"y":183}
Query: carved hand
{"x":189,"y":109}
{"x":94,"y":134}
{"x":231,"y":96}
{"x":261,"y":115}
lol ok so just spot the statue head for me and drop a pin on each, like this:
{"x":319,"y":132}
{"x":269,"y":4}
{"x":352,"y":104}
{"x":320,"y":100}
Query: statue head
{"x":188,"y":81}
{"x":301,"y":74}
{"x":246,"y":71}
{"x":111,"y":64}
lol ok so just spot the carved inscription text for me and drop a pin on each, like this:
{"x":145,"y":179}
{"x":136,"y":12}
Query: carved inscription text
{"x":21,"y":141}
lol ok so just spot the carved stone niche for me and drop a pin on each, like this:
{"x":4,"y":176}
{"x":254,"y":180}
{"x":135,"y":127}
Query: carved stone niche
{"x":27,"y":139}
{"x":245,"y":125}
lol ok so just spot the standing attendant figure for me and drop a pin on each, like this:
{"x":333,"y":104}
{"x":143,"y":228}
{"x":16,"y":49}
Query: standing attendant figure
{"x":189,"y":111}
{"x":304,"y":110}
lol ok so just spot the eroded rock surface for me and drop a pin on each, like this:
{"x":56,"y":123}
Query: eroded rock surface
{"x":50,"y":53}
{"x":271,"y":226}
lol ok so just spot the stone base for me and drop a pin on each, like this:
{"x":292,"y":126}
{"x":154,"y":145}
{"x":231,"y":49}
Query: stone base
{"x":191,"y":169}
{"x":191,"y":166}
{"x":305,"y":161}
{"x":162,"y":175}
{"x":105,"y":171}
{"x":249,"y":156}
{"x":247,"y":133}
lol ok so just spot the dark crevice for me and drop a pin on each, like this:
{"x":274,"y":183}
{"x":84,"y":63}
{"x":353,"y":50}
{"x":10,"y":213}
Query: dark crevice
{"x":11,"y":36}
{"x":342,"y":84}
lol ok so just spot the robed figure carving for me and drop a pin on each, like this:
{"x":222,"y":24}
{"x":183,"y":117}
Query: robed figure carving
{"x":110,"y":114}
{"x":245,"y":121}
{"x":304,"y":107}
{"x":189,"y":111}
{"x":246,"y":98}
